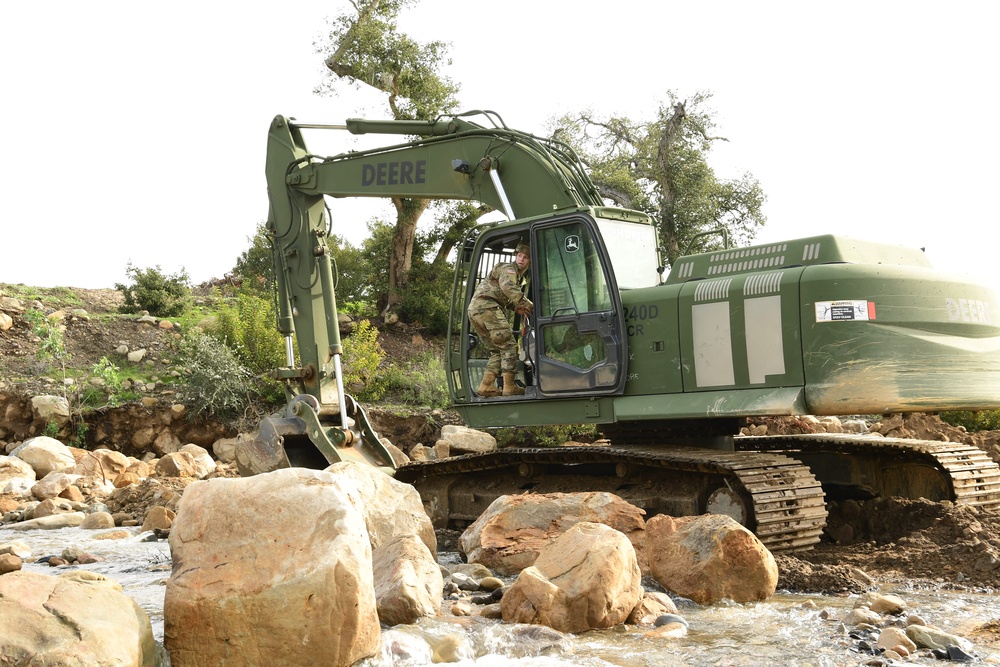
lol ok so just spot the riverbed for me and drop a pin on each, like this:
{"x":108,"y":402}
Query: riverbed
{"x":795,"y":629}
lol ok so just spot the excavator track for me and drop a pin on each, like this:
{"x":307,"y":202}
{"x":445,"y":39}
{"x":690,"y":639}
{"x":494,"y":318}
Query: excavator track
{"x":851,"y":466}
{"x":771,"y":494}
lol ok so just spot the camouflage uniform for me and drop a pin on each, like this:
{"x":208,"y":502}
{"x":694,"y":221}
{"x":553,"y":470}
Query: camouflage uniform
{"x":502,"y":290}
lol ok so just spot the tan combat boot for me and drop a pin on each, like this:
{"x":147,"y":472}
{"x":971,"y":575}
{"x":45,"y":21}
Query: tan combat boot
{"x":510,"y":387}
{"x":488,"y":387}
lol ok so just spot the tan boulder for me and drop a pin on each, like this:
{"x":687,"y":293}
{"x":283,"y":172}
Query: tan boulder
{"x":408,"y":581}
{"x":464,"y":440}
{"x":53,"y":620}
{"x":52,"y":485}
{"x":158,"y":518}
{"x":104,"y":463}
{"x":274,"y":568}
{"x":177,"y":464}
{"x":12,"y":467}
{"x":709,"y":557}
{"x":45,"y":455}
{"x":651,"y":606}
{"x":587,"y":578}
{"x":513,"y":530}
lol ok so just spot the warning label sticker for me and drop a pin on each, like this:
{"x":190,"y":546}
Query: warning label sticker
{"x":841,"y":311}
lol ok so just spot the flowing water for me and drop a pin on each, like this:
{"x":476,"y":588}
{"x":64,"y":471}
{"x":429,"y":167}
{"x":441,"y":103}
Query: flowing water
{"x":789,"y":629}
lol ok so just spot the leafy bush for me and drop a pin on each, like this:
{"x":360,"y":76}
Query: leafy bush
{"x":987,"y":420}
{"x":248,"y":329}
{"x":361,"y":359}
{"x":427,"y":301}
{"x":162,"y":296}
{"x":221,"y":386}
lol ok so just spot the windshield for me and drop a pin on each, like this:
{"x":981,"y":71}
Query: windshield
{"x":632,"y":247}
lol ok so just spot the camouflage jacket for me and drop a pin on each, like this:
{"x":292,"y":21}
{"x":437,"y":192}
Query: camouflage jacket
{"x":501,"y":288}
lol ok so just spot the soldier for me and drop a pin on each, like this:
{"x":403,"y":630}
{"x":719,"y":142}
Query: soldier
{"x":503,"y":289}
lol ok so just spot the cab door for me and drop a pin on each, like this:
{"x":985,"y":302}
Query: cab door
{"x":576,"y":342}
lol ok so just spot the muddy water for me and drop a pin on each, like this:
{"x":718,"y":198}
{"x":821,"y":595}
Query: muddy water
{"x":788,"y":629}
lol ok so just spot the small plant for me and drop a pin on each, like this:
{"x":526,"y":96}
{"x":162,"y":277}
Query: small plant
{"x":51,"y":346}
{"x":80,"y":440}
{"x":151,"y":290}
{"x":545,"y":436}
{"x":52,"y":429}
{"x":111,"y":390}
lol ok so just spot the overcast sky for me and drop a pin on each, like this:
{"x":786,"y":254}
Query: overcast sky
{"x":135,"y":131}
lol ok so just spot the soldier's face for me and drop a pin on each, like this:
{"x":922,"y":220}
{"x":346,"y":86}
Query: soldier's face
{"x":522,"y":261}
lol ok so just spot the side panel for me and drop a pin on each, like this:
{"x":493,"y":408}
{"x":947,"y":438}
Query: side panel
{"x":741,"y":332}
{"x":880,"y":339}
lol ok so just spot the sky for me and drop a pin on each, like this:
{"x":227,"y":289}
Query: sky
{"x":136,"y":131}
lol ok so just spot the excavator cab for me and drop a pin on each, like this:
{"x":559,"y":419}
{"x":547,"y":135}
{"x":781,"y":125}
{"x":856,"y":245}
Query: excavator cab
{"x":573,"y":344}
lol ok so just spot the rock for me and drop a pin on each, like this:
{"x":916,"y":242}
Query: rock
{"x":861,"y":615}
{"x":12,"y":467}
{"x":264,"y":559}
{"x":513,"y":530}
{"x":9,"y":563}
{"x":51,"y":409}
{"x":394,"y":507}
{"x":652,"y":606}
{"x":204,"y":464}
{"x":53,"y":620}
{"x":708,"y":558}
{"x":587,"y":578}
{"x":465,"y":440}
{"x":104,"y":463}
{"x":887,"y":604}
{"x":891,"y":637}
{"x":158,"y":518}
{"x":19,"y":549}
{"x":225,"y":448}
{"x":65,"y":520}
{"x":52,"y":485}
{"x":177,"y":464}
{"x":98,"y":520}
{"x":672,"y":630}
{"x":927,"y":637}
{"x":45,"y":455}
{"x":408,"y":582}
{"x":50,"y":506}
{"x":6,"y":321}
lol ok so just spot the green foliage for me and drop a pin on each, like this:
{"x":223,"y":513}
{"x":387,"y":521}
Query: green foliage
{"x":50,"y":336}
{"x":418,"y":381}
{"x":220,"y":385}
{"x":427,"y":301}
{"x":52,"y":429}
{"x":80,"y":439}
{"x":986,"y":420}
{"x":364,"y":47}
{"x":660,"y":166}
{"x":151,"y":290}
{"x":361,"y":359}
{"x":255,"y":266}
{"x":111,"y":391}
{"x":544,"y":436}
{"x":247,"y":328}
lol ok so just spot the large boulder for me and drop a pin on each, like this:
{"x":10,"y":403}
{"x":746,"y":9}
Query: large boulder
{"x":45,"y":455}
{"x":391,"y":507}
{"x":513,"y":530}
{"x":79,"y":619}
{"x":464,"y":440}
{"x":13,"y":468}
{"x":709,"y":557}
{"x":104,"y":463}
{"x":588,"y":578}
{"x":49,"y":409}
{"x":273,"y":569}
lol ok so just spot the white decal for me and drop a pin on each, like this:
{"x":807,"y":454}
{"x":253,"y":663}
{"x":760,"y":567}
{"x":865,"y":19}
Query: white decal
{"x":968,"y":310}
{"x":844,"y":311}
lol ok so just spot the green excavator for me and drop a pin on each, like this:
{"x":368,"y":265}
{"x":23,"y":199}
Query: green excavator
{"x":668,"y":367}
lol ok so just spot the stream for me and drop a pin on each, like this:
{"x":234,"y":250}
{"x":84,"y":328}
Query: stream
{"x":792,"y":629}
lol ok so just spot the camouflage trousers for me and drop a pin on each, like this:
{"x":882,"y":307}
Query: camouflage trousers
{"x":496,"y":336}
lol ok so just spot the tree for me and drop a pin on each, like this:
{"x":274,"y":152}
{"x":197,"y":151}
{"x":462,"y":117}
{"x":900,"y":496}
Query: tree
{"x":364,"y":47}
{"x":661,"y":167}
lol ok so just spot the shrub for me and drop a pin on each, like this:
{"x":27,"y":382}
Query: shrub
{"x":420,"y":381}
{"x":361,"y":359}
{"x":544,"y":436}
{"x":110,"y":391}
{"x":162,"y":296}
{"x":49,"y":334}
{"x":248,"y":329}
{"x":427,"y":301}
{"x":986,"y":420}
{"x":220,"y":385}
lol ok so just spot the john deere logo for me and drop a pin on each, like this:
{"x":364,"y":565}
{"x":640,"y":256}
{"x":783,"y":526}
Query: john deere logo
{"x":572,"y":243}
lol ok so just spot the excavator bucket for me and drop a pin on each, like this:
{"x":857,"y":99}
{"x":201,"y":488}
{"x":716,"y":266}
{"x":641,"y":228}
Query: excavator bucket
{"x":308,"y":435}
